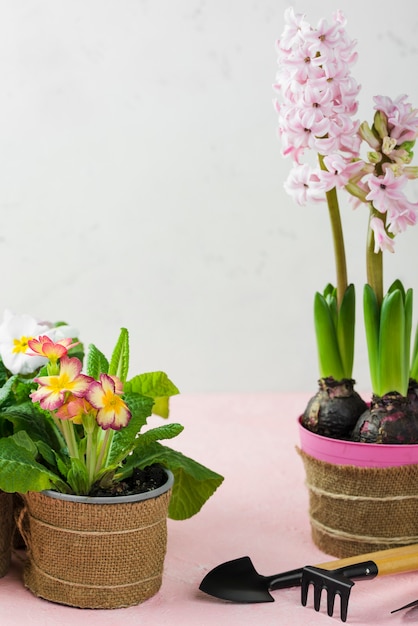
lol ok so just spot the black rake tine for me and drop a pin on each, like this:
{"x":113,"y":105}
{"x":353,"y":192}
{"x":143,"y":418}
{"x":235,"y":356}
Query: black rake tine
{"x":317,"y":596}
{"x":333,"y":583}
{"x":330,"y":603}
{"x":344,"y":607}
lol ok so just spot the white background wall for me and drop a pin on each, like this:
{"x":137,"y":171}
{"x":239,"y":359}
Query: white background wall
{"x":141,"y":182}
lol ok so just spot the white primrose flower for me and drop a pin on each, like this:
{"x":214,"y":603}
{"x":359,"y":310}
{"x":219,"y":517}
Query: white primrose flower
{"x":15,"y":332}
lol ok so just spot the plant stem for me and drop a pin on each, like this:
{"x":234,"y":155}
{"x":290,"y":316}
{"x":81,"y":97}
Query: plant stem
{"x":104,"y":450}
{"x":338,"y":238}
{"x":374,"y":263}
{"x":69,"y":435}
{"x":91,"y":455}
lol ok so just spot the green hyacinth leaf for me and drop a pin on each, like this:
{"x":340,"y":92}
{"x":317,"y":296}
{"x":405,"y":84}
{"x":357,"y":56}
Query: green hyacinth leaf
{"x":327,"y":341}
{"x":345,"y":330}
{"x":392,"y":345}
{"x":409,"y":295}
{"x":331,"y":300}
{"x":414,"y":360}
{"x":397,"y":286}
{"x":372,"y":325}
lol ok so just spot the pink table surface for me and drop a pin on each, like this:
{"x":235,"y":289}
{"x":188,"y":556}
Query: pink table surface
{"x":261,"y":510}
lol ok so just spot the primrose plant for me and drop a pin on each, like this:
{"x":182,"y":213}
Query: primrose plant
{"x":80,"y":432}
{"x":317,"y":106}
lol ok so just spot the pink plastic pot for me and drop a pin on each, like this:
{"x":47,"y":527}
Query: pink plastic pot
{"x":341,"y":452}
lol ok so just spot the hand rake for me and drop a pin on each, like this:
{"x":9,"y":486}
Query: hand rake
{"x":340,"y":581}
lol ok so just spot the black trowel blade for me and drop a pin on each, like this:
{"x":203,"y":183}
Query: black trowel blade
{"x":237,"y":581}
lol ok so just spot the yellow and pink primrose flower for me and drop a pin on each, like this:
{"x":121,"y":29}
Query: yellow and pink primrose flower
{"x":75,"y":409}
{"x":45,"y":346}
{"x":112,"y":410}
{"x":53,"y":390}
{"x":118,"y":384}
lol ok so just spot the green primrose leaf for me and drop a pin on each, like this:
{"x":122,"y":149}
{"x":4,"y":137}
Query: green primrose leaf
{"x":78,"y":477}
{"x":47,"y":453}
{"x":124,"y":440}
{"x":142,"y":444}
{"x":156,"y":385}
{"x":168,"y":431}
{"x":23,"y":440}
{"x":96,"y":363}
{"x":20,"y":472}
{"x":152,"y":384}
{"x":193,"y":483}
{"x":140,"y":407}
{"x":119,"y":362}
{"x":162,"y":407}
{"x":37,"y":423}
{"x":6,"y":391}
{"x":4,"y":375}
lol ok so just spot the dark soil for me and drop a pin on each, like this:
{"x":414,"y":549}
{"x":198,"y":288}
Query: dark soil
{"x":141,"y":481}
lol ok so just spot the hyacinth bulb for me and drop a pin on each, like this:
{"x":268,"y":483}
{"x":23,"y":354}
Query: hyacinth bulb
{"x":334,"y":410}
{"x":391,"y":419}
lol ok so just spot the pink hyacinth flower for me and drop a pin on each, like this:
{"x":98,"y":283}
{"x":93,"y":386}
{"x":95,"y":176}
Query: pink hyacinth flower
{"x":401,"y":214}
{"x":339,"y":171}
{"x":382,"y":241}
{"x":301,"y":184}
{"x":385,"y":190}
{"x":402,"y":117}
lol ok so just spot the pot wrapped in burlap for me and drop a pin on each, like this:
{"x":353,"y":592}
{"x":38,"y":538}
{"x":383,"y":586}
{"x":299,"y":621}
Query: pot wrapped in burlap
{"x":98,"y":556}
{"x":6,"y":531}
{"x":355,"y":510}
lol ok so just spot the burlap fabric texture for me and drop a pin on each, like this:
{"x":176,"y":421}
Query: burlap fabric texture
{"x":98,"y":556}
{"x":6,"y":531}
{"x":354,"y":510}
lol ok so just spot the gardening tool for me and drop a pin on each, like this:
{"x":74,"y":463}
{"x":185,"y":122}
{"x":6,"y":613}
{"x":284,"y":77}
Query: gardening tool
{"x":238,"y":580}
{"x":340,"y":581}
{"x":406,"y":606}
{"x":335,"y":582}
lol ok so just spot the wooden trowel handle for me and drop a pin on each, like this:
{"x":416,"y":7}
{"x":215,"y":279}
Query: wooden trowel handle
{"x":392,"y":561}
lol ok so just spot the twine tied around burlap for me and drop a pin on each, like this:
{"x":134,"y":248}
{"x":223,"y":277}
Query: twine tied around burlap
{"x":355,"y":510}
{"x":100,"y":556}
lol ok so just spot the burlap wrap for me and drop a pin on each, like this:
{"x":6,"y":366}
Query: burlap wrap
{"x":6,"y":531}
{"x":354,"y":510}
{"x":98,"y":556}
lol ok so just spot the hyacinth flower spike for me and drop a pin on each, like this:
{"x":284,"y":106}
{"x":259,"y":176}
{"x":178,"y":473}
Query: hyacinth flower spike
{"x":317,"y":99}
{"x":316,"y":106}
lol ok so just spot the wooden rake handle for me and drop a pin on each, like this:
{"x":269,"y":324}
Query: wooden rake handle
{"x":392,"y":561}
